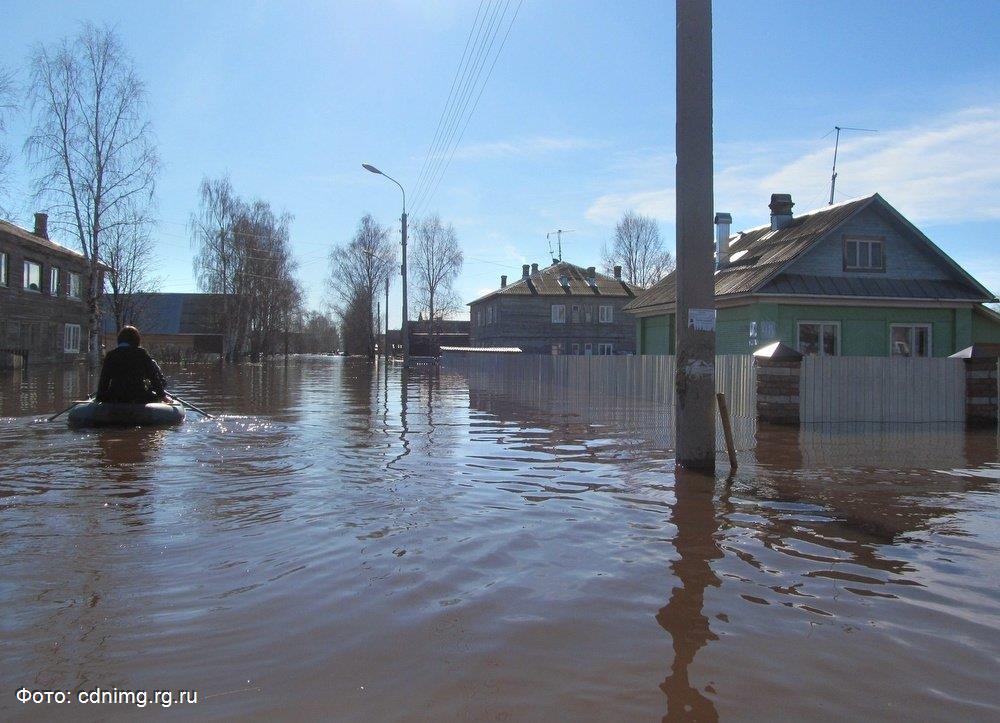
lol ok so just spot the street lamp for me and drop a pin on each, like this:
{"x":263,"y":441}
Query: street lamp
{"x":404,"y":326}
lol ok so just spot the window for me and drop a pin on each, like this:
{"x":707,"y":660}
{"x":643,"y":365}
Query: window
{"x":489,"y":314}
{"x":607,"y":314}
{"x":74,"y":286}
{"x":576,"y":349}
{"x":576,"y":314}
{"x":71,"y":339}
{"x":556,"y":349}
{"x":910,"y":340}
{"x":32,"y":276}
{"x":819,"y":338}
{"x":3,"y":269}
{"x":479,"y":317}
{"x":496,"y":314}
{"x":559,"y":313}
{"x":605,"y":349}
{"x":54,"y":281}
{"x":863,"y":254}
{"x":588,"y":349}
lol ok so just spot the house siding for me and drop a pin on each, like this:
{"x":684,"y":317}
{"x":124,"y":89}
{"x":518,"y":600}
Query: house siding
{"x":526,"y":322}
{"x":864,"y":330}
{"x":33,"y":323}
{"x":905,"y":258}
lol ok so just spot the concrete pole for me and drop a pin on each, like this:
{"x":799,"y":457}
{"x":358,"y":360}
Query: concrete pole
{"x":404,"y":325}
{"x":695,"y":317}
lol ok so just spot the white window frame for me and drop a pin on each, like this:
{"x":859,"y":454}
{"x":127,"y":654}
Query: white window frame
{"x":71,"y":339}
{"x":54,"y":281}
{"x":588,"y":349}
{"x":606,"y":314}
{"x":556,"y":349}
{"x":558,"y":313}
{"x":866,"y":242}
{"x":798,"y":335}
{"x":605,"y":349}
{"x":915,"y":325}
{"x":4,"y":268}
{"x":24,"y":281}
{"x":74,"y":289}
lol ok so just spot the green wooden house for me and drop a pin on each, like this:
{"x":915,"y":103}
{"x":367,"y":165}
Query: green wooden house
{"x":855,"y":278}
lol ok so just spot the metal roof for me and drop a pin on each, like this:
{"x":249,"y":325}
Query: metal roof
{"x":173,"y":314}
{"x":547,"y":282}
{"x":759,"y":255}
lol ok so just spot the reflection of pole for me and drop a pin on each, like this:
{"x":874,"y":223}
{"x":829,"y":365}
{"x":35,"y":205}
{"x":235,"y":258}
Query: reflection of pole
{"x":695,"y":308}
{"x":405,"y":325}
{"x":386,"y":344}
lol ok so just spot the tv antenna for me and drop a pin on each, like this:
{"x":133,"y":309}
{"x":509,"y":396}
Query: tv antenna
{"x":836,"y":147}
{"x":548,"y":237}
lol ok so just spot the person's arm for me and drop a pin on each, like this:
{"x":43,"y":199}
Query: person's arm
{"x":104,"y":385}
{"x":156,"y":377}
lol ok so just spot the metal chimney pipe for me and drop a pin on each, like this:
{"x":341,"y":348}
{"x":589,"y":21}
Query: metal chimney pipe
{"x":723,"y":221}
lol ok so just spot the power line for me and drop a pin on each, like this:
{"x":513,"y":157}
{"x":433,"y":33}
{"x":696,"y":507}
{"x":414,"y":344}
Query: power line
{"x":426,"y":201}
{"x":468,"y":88}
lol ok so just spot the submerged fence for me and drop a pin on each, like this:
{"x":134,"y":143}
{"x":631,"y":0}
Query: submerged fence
{"x":608,"y":381}
{"x":882,"y":389}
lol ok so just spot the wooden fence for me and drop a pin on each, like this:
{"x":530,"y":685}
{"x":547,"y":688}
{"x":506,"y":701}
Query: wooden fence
{"x":881,"y":390}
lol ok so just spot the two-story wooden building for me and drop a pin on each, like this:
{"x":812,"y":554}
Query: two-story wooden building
{"x":562,"y":309}
{"x":854,"y":279}
{"x":43,"y":316}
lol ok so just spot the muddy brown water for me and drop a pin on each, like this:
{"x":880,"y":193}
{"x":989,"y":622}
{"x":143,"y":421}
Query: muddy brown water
{"x":358,"y":544}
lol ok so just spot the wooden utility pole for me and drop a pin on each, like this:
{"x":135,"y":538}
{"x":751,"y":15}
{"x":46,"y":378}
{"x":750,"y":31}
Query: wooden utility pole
{"x":695,"y":311}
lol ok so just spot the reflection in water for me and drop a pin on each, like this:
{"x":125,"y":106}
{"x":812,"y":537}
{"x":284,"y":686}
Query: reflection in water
{"x":683,"y":616}
{"x":413,"y":544}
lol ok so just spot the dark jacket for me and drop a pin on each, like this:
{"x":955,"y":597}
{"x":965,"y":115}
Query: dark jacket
{"x":130,"y":375}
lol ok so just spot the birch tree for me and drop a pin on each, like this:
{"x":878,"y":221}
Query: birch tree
{"x":92,"y":147}
{"x":7,"y":107}
{"x":437,"y":261}
{"x":638,"y":249}
{"x":358,"y":270}
{"x":131,"y":277}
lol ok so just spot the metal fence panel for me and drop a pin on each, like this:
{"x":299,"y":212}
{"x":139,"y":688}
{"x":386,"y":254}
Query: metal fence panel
{"x":882,"y":389}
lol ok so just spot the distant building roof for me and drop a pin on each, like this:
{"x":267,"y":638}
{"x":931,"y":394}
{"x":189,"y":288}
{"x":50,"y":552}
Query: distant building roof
{"x":41,"y":241}
{"x":760,"y":254}
{"x":173,"y":314}
{"x":564,"y":279}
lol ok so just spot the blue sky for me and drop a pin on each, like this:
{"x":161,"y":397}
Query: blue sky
{"x":575,"y":125}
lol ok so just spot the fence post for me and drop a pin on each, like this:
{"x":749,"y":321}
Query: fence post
{"x":779,"y":371}
{"x":981,"y":395}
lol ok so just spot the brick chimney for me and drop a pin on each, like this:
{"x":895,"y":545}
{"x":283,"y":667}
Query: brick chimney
{"x":534,"y":268}
{"x":781,"y":210}
{"x":524,"y":271}
{"x":503,"y":281}
{"x":723,"y":221}
{"x":42,"y":225}
{"x":618,"y":272}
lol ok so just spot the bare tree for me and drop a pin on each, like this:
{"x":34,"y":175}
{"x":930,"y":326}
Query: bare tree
{"x":92,"y":146}
{"x":357,"y":271}
{"x":437,"y":261}
{"x":638,"y":249}
{"x":7,"y":106}
{"x":130,"y":279}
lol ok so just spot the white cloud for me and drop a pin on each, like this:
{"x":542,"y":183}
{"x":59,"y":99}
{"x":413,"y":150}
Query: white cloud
{"x":944,"y":170}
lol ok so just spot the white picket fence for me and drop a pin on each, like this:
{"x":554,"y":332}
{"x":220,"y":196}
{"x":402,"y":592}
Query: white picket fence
{"x":881,"y":390}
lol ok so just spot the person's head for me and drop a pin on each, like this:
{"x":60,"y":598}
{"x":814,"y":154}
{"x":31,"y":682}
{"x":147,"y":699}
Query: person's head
{"x":129,"y":335}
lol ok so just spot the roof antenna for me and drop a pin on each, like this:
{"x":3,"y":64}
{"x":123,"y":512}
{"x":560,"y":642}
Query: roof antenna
{"x":548,"y":237}
{"x":836,"y":147}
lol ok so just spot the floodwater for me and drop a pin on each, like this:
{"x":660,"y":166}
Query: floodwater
{"x":358,"y":544}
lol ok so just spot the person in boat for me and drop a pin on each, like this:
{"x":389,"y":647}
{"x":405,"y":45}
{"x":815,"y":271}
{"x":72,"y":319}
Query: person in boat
{"x":129,"y":374}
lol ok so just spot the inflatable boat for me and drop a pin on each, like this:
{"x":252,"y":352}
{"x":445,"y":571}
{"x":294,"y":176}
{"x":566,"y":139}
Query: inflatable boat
{"x":98,"y":414}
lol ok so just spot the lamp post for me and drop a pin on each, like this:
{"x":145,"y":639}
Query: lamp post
{"x":404,"y":326}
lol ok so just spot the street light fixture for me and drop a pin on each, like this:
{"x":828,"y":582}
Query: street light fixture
{"x":404,"y":326}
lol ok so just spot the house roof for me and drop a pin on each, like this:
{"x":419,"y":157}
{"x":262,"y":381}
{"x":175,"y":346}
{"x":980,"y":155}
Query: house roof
{"x":173,"y":314}
{"x":759,"y":255}
{"x":547,"y":282}
{"x":41,"y":241}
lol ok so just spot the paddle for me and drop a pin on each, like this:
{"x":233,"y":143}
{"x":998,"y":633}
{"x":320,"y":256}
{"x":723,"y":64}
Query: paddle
{"x":82,"y":401}
{"x":190,"y":406}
